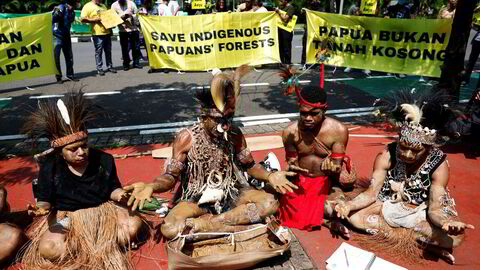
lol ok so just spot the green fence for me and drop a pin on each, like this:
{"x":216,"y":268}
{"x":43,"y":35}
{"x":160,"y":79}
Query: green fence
{"x":77,"y":26}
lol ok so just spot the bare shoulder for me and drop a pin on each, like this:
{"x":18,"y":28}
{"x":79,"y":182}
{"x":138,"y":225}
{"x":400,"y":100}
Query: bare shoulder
{"x":335,"y":126}
{"x":183,"y":142}
{"x":441,"y":174}
{"x":383,"y":160}
{"x":236,"y":135}
{"x":290,"y":131}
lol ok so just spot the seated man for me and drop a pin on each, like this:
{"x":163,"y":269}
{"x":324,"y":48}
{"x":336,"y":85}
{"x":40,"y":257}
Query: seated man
{"x":208,"y":158}
{"x":408,"y":188}
{"x":11,"y":236}
{"x":315,"y":147}
{"x":73,"y":192}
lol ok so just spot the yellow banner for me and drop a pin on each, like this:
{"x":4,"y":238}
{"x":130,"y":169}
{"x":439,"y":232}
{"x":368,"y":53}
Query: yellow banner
{"x":368,"y":7}
{"x":291,"y":24}
{"x":198,"y":4}
{"x":407,"y":46}
{"x":26,"y":47}
{"x":205,"y":42}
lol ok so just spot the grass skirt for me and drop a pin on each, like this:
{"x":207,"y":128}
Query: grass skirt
{"x":91,"y":241}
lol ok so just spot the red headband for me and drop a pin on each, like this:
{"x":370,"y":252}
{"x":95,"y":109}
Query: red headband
{"x":302,"y":101}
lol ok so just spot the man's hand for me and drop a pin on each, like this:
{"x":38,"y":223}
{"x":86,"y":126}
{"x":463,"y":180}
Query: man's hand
{"x":280,"y":183}
{"x":295,"y":168}
{"x":36,"y":211}
{"x":331,"y":166}
{"x":342,"y":209}
{"x":456,"y":227}
{"x":139,"y":193}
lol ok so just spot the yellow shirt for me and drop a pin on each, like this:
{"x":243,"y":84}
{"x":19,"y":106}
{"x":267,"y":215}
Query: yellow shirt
{"x":90,"y":11}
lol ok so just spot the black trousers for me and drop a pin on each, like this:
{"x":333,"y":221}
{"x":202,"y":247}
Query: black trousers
{"x":130,"y":40}
{"x":285,"y":46}
{"x":472,"y":59}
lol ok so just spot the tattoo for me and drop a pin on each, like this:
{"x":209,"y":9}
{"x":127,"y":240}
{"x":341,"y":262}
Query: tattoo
{"x":245,"y":158}
{"x":372,"y":231}
{"x":372,"y":219}
{"x":174,"y":168}
{"x":361,"y":201}
{"x":253,"y":213}
{"x":448,"y":204}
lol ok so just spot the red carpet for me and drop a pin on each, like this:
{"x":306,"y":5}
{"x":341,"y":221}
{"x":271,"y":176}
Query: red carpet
{"x":16,"y":174}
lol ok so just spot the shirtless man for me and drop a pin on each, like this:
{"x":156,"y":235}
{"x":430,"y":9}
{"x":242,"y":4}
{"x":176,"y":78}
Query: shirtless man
{"x":11,"y":237}
{"x":315,"y":146}
{"x":209,"y":158}
{"x":409,"y":187}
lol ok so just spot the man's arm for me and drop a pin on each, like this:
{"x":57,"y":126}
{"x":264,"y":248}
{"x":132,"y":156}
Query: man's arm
{"x":85,"y":17}
{"x":277,"y":179}
{"x":439,"y":203}
{"x":142,"y":191}
{"x":366,"y":198}
{"x":333,"y":164}
{"x":291,"y":153}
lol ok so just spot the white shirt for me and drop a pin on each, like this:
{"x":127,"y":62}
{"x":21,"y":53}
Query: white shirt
{"x":163,"y":10}
{"x":174,"y":7}
{"x":261,"y":9}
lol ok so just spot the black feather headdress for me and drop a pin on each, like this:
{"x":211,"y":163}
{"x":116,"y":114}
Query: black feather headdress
{"x":61,"y":121}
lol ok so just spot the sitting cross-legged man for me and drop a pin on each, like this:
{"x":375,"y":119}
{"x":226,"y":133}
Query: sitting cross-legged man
{"x":209,"y":159}
{"x":315,"y":148}
{"x":80,"y":226}
{"x":408,"y":200}
{"x":11,"y":236}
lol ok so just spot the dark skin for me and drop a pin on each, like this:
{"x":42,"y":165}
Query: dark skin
{"x":312,"y":160}
{"x":11,"y":237}
{"x":52,"y":243}
{"x":443,"y":230}
{"x":175,"y":220}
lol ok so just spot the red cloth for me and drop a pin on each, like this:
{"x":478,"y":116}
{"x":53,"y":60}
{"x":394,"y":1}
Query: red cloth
{"x":303,"y":208}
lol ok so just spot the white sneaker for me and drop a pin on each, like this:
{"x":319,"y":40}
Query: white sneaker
{"x":367,"y":72}
{"x":272,"y":161}
{"x":402,"y":75}
{"x":347,"y":69}
{"x":421,"y":79}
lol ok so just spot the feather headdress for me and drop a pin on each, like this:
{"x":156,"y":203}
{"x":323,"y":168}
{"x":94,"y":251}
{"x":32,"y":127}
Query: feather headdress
{"x":224,"y":93}
{"x":420,"y":116}
{"x":62,"y":121}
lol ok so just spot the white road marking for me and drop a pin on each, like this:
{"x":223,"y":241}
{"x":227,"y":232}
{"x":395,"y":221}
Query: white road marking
{"x":12,"y":137}
{"x":264,"y":122}
{"x":7,"y":98}
{"x":45,"y":96}
{"x":158,"y":90}
{"x":140,"y":127}
{"x":373,"y":136}
{"x":157,"y":131}
{"x":101,"y":93}
{"x":353,"y":114}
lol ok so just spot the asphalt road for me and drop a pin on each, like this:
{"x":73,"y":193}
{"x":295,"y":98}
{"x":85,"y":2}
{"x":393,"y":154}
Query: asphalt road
{"x":135,"y":97}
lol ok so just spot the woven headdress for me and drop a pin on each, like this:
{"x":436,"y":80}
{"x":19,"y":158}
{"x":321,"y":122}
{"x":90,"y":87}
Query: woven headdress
{"x":420,"y":117}
{"x":224,"y":93}
{"x":62,"y":121}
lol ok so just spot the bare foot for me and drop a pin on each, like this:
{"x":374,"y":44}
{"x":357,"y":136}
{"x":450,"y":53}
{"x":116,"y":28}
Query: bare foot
{"x":337,"y":228}
{"x":442,"y":253}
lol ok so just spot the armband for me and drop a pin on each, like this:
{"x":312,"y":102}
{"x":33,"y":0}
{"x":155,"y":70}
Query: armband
{"x":174,"y":167}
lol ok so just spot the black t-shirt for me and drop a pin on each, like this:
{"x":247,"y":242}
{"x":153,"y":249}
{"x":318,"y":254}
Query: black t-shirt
{"x":290,"y":10}
{"x":68,"y":192}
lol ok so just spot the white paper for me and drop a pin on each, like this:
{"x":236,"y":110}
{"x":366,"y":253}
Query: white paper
{"x":358,"y":259}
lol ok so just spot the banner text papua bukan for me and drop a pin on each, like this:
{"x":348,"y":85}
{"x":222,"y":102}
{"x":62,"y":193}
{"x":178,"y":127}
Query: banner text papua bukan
{"x":383,"y":35}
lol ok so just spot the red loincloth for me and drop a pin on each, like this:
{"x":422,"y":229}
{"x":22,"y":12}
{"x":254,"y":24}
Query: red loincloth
{"x":303,"y":208}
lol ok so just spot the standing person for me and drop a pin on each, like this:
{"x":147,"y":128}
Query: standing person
{"x":285,"y":37}
{"x":62,"y":19}
{"x":129,"y":32}
{"x":447,"y":12}
{"x":259,"y":7}
{"x":315,"y":148}
{"x":315,"y":6}
{"x":163,"y":9}
{"x":174,"y":7}
{"x":245,"y":6}
{"x":220,"y":6}
{"x":354,"y":10}
{"x":475,"y":51}
{"x":102,"y":37}
{"x":11,"y":236}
